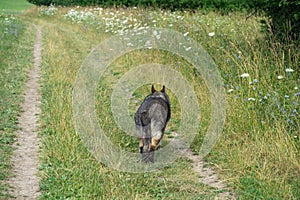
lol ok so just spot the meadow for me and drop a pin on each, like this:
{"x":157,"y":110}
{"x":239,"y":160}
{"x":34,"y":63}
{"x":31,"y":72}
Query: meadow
{"x":257,"y":154}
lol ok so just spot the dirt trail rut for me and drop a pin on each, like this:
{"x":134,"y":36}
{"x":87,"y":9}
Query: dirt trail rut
{"x":25,"y":183}
{"x":207,"y":175}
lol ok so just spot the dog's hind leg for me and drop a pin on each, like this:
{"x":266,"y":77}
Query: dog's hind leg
{"x":141,"y":144}
{"x":157,"y":136}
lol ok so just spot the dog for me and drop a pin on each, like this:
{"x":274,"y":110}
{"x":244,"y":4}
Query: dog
{"x":151,"y":119}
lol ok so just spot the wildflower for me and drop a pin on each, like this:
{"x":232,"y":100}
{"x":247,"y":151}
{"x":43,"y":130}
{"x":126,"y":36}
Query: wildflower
{"x":129,"y":44}
{"x":230,"y":90}
{"x":297,"y":94}
{"x":186,"y":34}
{"x":255,"y":80}
{"x":286,"y":96}
{"x":236,"y":87}
{"x":245,"y":75}
{"x":188,"y":48}
{"x":279,"y":77}
{"x":251,"y":99}
{"x":289,"y":70}
{"x":250,"y":83}
{"x":211,"y":34}
{"x":296,"y":88}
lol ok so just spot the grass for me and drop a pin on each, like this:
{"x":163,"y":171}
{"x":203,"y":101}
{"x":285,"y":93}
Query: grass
{"x":68,"y":169}
{"x":258,"y":151}
{"x":16,"y":6}
{"x":16,"y":57}
{"x":256,"y":139}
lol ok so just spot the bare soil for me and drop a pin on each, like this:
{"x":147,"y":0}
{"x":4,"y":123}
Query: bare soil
{"x":25,"y":183}
{"x":207,"y":175}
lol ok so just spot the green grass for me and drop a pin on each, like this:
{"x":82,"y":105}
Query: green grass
{"x":68,"y":169}
{"x":258,"y":152}
{"x":15,"y":6}
{"x":16,"y":45}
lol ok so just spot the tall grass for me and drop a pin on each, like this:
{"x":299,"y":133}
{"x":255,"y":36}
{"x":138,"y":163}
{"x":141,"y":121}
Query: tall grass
{"x":258,"y":152}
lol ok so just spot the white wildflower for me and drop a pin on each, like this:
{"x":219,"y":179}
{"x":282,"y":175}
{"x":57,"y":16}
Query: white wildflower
{"x":230,"y":90}
{"x":186,"y":34}
{"x":279,"y":77}
{"x":211,"y":34}
{"x":289,"y":70}
{"x":251,"y":99}
{"x":245,"y":75}
{"x":188,"y":48}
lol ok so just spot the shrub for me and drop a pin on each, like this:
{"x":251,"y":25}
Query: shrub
{"x":224,"y":5}
{"x":285,"y":18}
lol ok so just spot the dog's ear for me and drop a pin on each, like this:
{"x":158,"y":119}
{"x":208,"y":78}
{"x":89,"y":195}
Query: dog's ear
{"x":153,"y":89}
{"x":163,"y":89}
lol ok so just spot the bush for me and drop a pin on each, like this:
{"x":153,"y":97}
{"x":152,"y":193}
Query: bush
{"x":285,"y":18}
{"x":224,"y":5}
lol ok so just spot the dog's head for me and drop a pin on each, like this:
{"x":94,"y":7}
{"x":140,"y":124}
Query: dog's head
{"x":162,"y":93}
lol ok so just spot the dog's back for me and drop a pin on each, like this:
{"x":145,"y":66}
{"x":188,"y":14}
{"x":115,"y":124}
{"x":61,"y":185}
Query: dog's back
{"x":151,"y":119}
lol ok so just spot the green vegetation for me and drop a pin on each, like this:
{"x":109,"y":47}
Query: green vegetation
{"x":16,"y":6}
{"x":16,"y":56}
{"x":68,"y":169}
{"x":282,"y":15}
{"x":221,"y":5}
{"x":285,"y":18}
{"x":258,"y":153}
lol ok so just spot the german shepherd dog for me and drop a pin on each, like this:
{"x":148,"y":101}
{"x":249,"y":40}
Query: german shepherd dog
{"x":150,"y":120}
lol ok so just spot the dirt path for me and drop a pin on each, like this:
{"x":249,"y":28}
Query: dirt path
{"x":207,"y":175}
{"x":25,"y":158}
